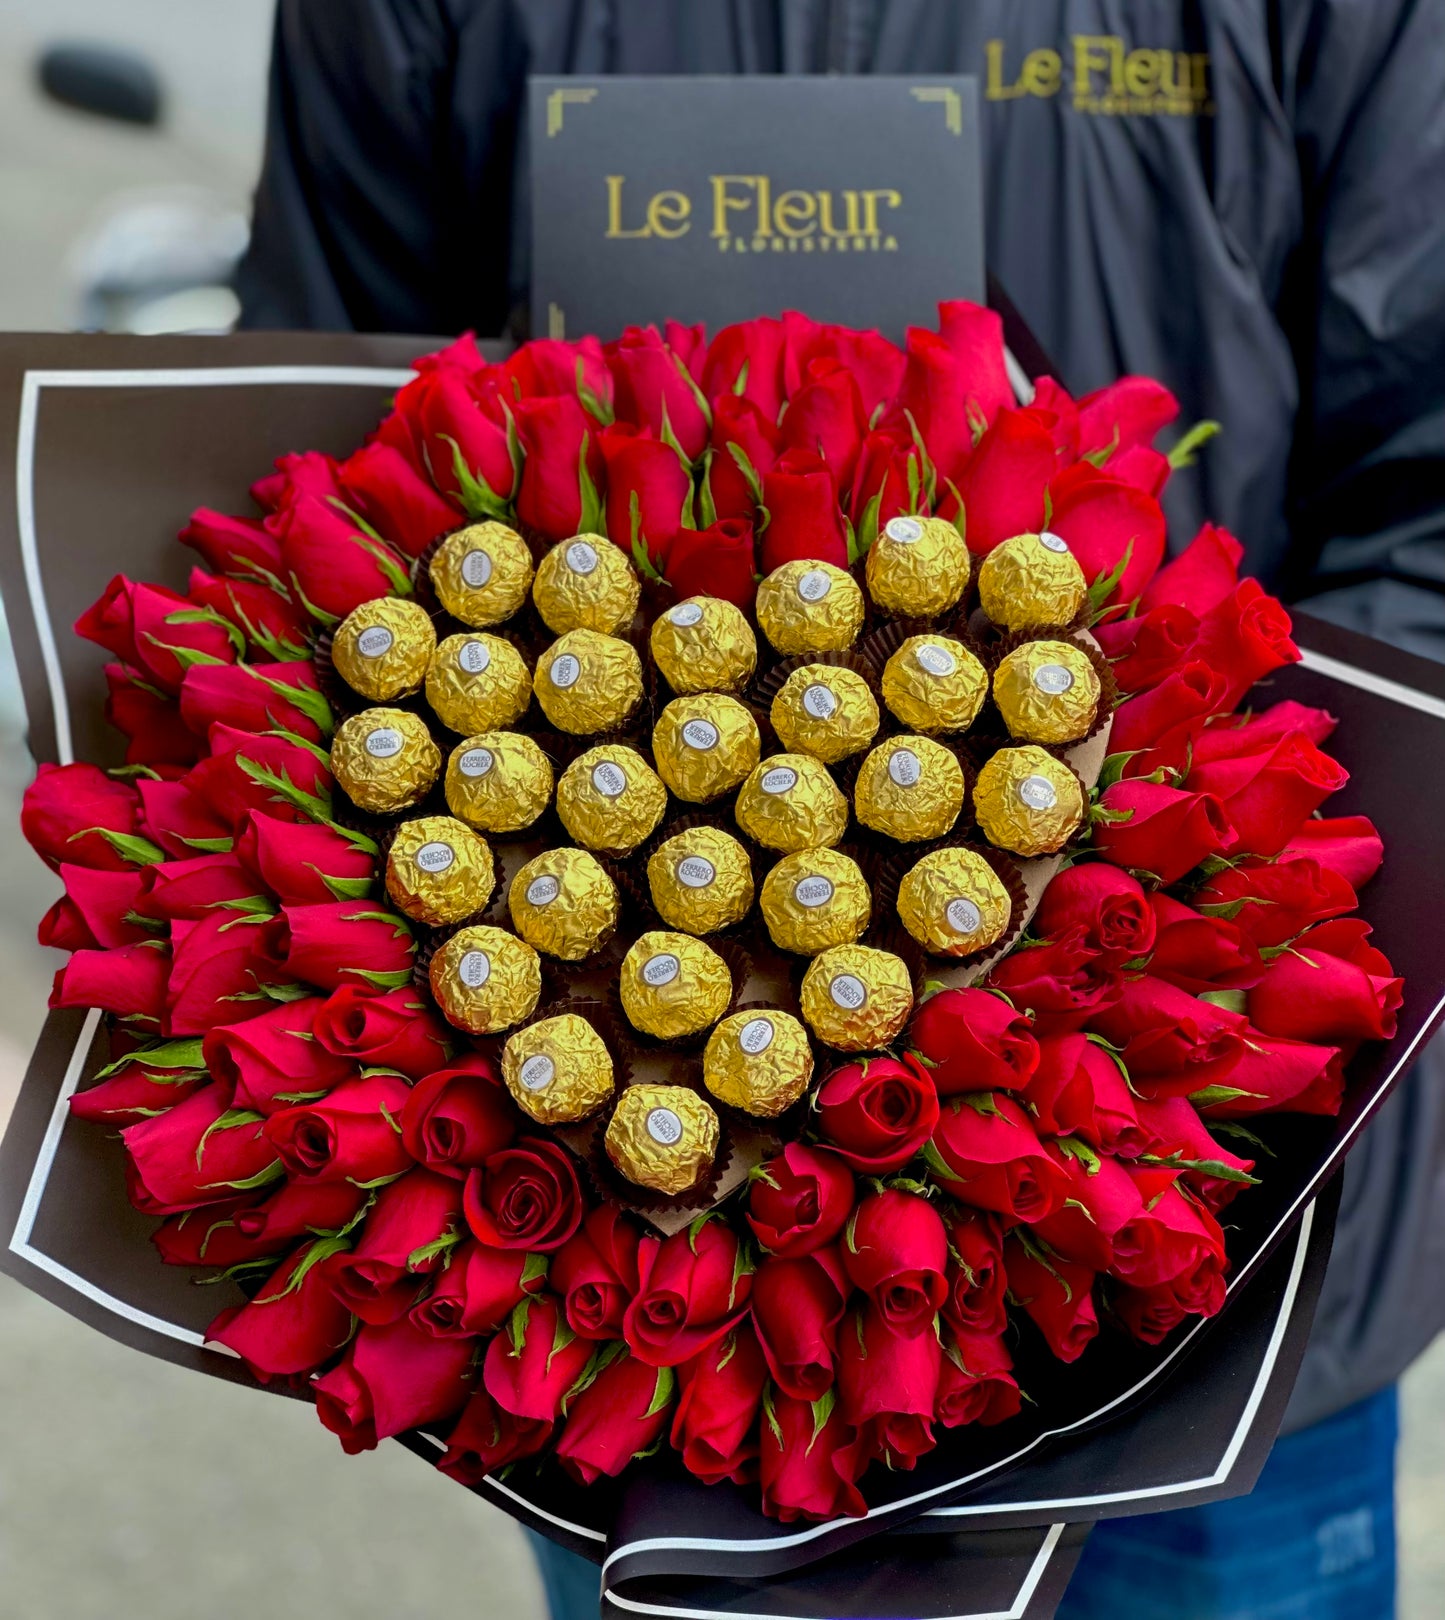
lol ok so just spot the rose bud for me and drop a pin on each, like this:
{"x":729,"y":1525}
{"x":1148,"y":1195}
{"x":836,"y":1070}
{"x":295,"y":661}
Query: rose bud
{"x":303,"y":863}
{"x":976,"y":1382}
{"x":346,"y":940}
{"x":653,"y":387}
{"x":714,"y":1424}
{"x":716,"y":561}
{"x":1103,"y":1198}
{"x":807,"y":1470}
{"x":180,"y":822}
{"x":129,"y":982}
{"x":208,"y":1237}
{"x":615,"y":1418}
{"x":274,"y":626}
{"x":101,"y":908}
{"x":1201,"y":576}
{"x":155,"y":731}
{"x":1109,"y":905}
{"x":888,"y":462}
{"x":1148,"y":1314}
{"x":800,"y":491}
{"x":1267,"y":796}
{"x":595,"y":1273}
{"x":561,"y":446}
{"x":797,"y":1306}
{"x":1198,"y":953}
{"x":332,"y":564}
{"x":1162,"y":831}
{"x":69,"y":810}
{"x":274,"y":1061}
{"x":525,"y":1197}
{"x":255,"y":697}
{"x":1157,"y":730}
{"x":1167,"y":1236}
{"x":299,"y":1209}
{"x":486,"y":1438}
{"x":479,"y":1289}
{"x":1142,"y":651}
{"x":877,"y":1113}
{"x":1108,"y":524}
{"x":975,"y":1302}
{"x":826,"y":416}
{"x":408,"y":1231}
{"x":969,"y":1040}
{"x":1173,"y":1129}
{"x":458,"y":1117}
{"x":192,"y":890}
{"x":1329,"y":986}
{"x":1246,"y":634}
{"x":1063,"y":983}
{"x":692,"y":1288}
{"x":460,"y":432}
{"x":1169,"y":1041}
{"x":217,"y":963}
{"x":393,"y":1378}
{"x":888,"y":1387}
{"x":744,"y":441}
{"x":349,"y":1135}
{"x":531,"y":1366}
{"x":242,"y":770}
{"x":895,"y":1251}
{"x":155,"y":631}
{"x":195,"y":1154}
{"x":1273,"y":901}
{"x":646,"y":471}
{"x":292,"y":1323}
{"x":231,"y":545}
{"x":1276,"y":1075}
{"x":398,"y":1030}
{"x":746,"y":360}
{"x":799,"y":1201}
{"x":136,"y":1091}
{"x":985,"y":1152}
{"x":1348,"y":845}
{"x":1080,"y":1090}
{"x":1258,"y":732}
{"x":935,"y":395}
{"x":403,"y":505}
{"x":1057,"y":1294}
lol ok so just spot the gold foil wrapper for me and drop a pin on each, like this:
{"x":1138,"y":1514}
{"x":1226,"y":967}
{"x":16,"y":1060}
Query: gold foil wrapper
{"x":918,"y":566}
{"x":663,"y":1137}
{"x":438,"y":870}
{"x":759,"y":1062}
{"x":673,"y":985}
{"x":814,"y":900}
{"x":1046,"y":691}
{"x":481,"y":573}
{"x":1031,"y":581}
{"x":701,"y":880}
{"x":705,"y":745}
{"x":588,"y":682}
{"x":586,"y":583}
{"x":909,"y":788}
{"x":810,"y":607}
{"x":498,"y":781}
{"x":953,"y":903}
{"x":790,"y":802}
{"x":825,"y":711}
{"x":381,"y":649}
{"x":855,"y":998}
{"x":477,"y":682}
{"x":1027,"y":801}
{"x":558,"y":1070}
{"x":485,"y":980}
{"x":610,"y":799}
{"x":384,"y":760}
{"x":563,"y":903}
{"x":933,"y":683}
{"x":704,"y":645}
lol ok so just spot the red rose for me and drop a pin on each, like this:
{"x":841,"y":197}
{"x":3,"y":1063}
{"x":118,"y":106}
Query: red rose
{"x":398,"y":1030}
{"x":653,"y":386}
{"x":232,"y":545}
{"x":969,"y":1040}
{"x":1109,"y":905}
{"x":209,"y":1236}
{"x":1128,"y":412}
{"x":1329,"y":986}
{"x":799,"y":1201}
{"x":888,"y":472}
{"x":531,"y":1366}
{"x":291,"y":1324}
{"x":825,"y":417}
{"x":525,"y":1197}
{"x":975,"y":334}
{"x":1143,"y":650}
{"x":888,"y":1387}
{"x":218,"y":965}
{"x":407,"y":1233}
{"x":895,"y":1251}
{"x":745,"y":444}
{"x":1103,"y":1199}
{"x":562,"y":475}
{"x":69,"y":809}
{"x":1109,"y":525}
{"x":129,"y":982}
{"x":1159,"y":728}
{"x":1002,"y":486}
{"x":297,"y":1209}
{"x":457,"y":427}
{"x":479,"y":1289}
{"x":235,"y":779}
{"x":1348,"y":845}
{"x":615,"y":1418}
{"x":1080,"y":1090}
{"x":692,"y":1288}
{"x":191,"y":890}
{"x":552,"y":366}
{"x":98,"y":906}
{"x":875,"y":362}
{"x":1255,"y":733}
{"x":303,"y":863}
{"x":1272,"y":901}
{"x":345,"y":940}
{"x":1054,"y":406}
{"x":800,"y":492}
{"x":747,"y":359}
{"x":986,"y":1153}
{"x":1167,"y":1237}
{"x":178,"y":821}
{"x":934,"y":394}
{"x":797,"y":1306}
{"x":393,"y":1378}
{"x":975,"y":1381}
{"x":646,"y":475}
{"x":1173,"y":1127}
{"x":1247,"y":635}
{"x":977,"y":1287}
{"x":155,"y":730}
{"x":135,"y":1092}
{"x":273,"y":1060}
{"x":1276,"y":1075}
{"x":308,"y":472}
{"x":1063,"y":982}
{"x":714,"y":1422}
{"x":458,"y":1117}
{"x":877,"y":1113}
{"x":1267,"y":796}
{"x":807,"y":1471}
{"x":1201,"y":576}
{"x":254,"y":697}
{"x":716,"y":561}
{"x":331,"y":563}
{"x":402,"y":505}
{"x":1058,"y":1296}
{"x":1169,"y":1041}
{"x":1162,"y":831}
{"x":193,"y":1155}
{"x":1145,"y":468}
{"x":349,"y":1135}
{"x":156,"y":631}
{"x":486,"y":1438}
{"x":1199,"y":953}
{"x":1149,"y":1314}
{"x":595,"y":1273}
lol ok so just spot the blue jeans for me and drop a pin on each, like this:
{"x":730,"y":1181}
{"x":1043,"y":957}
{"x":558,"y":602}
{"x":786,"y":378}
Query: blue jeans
{"x":1314,"y":1541}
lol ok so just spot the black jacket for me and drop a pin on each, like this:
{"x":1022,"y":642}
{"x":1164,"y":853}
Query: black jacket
{"x":1252,"y":208}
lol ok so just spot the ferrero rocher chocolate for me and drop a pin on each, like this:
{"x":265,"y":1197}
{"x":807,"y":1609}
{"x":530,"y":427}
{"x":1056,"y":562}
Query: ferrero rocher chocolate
{"x":917,"y":565}
{"x":562,"y":902}
{"x":704,"y":645}
{"x":909,"y":788}
{"x":481,"y":573}
{"x":810,"y":607}
{"x":1031,"y":580}
{"x":933,"y":683}
{"x":1027,"y":801}
{"x":588,"y":682}
{"x":663,"y":1137}
{"x":558,"y":1069}
{"x":610,"y":799}
{"x":759,"y":1062}
{"x":813,"y":900}
{"x":1046,"y":691}
{"x":381,"y":648}
{"x":384,"y":759}
{"x":477,"y":682}
{"x":586,"y":583}
{"x":673,"y":985}
{"x":825,"y":711}
{"x":953,"y":903}
{"x":790,"y":802}
{"x":499,"y":781}
{"x":485,"y":979}
{"x":856,"y":998}
{"x":701,"y":880}
{"x":438,"y":870}
{"x":704,"y":745}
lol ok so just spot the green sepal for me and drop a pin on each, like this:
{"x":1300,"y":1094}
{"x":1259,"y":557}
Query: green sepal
{"x":231,"y":1120}
{"x":179,"y":1054}
{"x":479,"y":500}
{"x":1182,"y":455}
{"x":137,"y":850}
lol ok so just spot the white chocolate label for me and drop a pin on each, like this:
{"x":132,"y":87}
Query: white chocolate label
{"x":473,"y":657}
{"x":848,"y":992}
{"x":903,"y":767}
{"x":664,"y":1127}
{"x":685,"y":615}
{"x":695,"y":872}
{"x":564,"y":671}
{"x":435,"y":857}
{"x":384,"y":743}
{"x":1053,"y":679}
{"x":700,"y":734}
{"x":814,"y":585}
{"x":819,"y":701}
{"x":581,"y":557}
{"x":756,"y":1036}
{"x":538,"y":1072}
{"x":477,"y":568}
{"x":1037,"y":792}
{"x":660,"y":970}
{"x":963,"y":916}
{"x":474,"y":969}
{"x":936,"y":660}
{"x":1053,"y":542}
{"x":610,"y":780}
{"x":476,"y":762}
{"x":813,"y":891}
{"x":542,"y":891}
{"x":905,"y":530}
{"x":781,"y":779}
{"x":372,"y":643}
